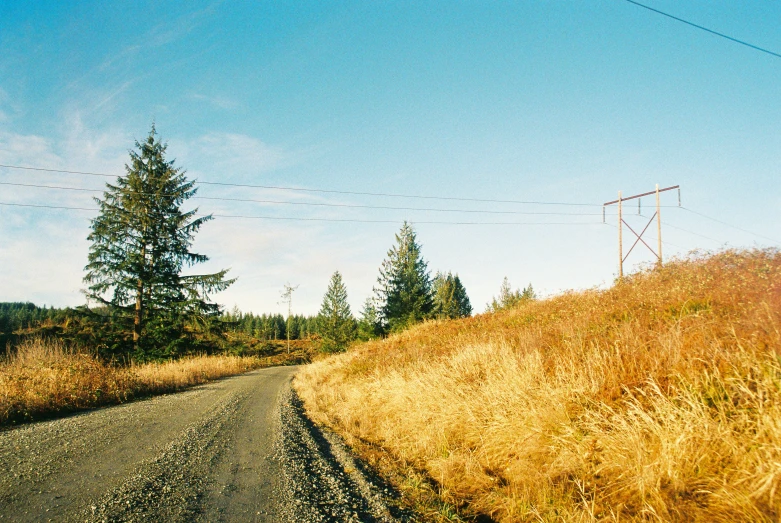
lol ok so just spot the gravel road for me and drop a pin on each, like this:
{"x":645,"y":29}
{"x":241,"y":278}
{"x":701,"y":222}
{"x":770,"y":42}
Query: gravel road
{"x":239,"y":449}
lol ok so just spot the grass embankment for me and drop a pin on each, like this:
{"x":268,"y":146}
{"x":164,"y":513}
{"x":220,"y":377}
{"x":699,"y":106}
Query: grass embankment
{"x":44,"y":378}
{"x":656,"y":400}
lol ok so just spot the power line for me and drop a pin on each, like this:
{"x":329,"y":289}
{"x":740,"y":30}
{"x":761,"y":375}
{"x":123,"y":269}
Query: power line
{"x":316,"y":204}
{"x":693,"y":233}
{"x":730,"y":225}
{"x":685,"y":230}
{"x":21,"y":167}
{"x":48,"y":206}
{"x":741,"y":42}
{"x":346,"y":220}
{"x":665,"y":242}
{"x":715,"y":220}
{"x":326,"y":191}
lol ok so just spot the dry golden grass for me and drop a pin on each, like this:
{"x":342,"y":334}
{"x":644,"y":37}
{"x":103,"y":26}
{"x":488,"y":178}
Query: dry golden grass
{"x":656,"y":400}
{"x":42,"y":378}
{"x":179,"y":374}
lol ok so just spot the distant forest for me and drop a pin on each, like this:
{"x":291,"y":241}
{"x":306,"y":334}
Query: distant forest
{"x":270,"y":326}
{"x":18,"y":319}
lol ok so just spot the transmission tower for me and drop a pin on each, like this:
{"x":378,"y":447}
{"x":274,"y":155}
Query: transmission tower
{"x":657,"y":215}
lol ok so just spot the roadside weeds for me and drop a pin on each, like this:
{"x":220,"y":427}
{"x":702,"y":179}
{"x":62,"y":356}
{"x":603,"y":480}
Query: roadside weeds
{"x":657,"y":399}
{"x":45,"y":378}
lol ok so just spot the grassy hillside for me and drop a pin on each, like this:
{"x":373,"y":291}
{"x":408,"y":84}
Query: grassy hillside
{"x":656,"y":400}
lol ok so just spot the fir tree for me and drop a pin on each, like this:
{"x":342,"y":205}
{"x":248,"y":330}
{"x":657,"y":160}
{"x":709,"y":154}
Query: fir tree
{"x":140,"y":244}
{"x":369,"y":326}
{"x":335,"y":322}
{"x":404,"y":290}
{"x":508,"y":297}
{"x":450,"y":298}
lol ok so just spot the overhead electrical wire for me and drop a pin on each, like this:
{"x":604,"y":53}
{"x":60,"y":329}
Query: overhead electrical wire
{"x":709,"y":218}
{"x":664,"y":242}
{"x":326,"y":191}
{"x":284,"y":218}
{"x":711,"y":31}
{"x":38,"y":206}
{"x":667,"y":224}
{"x":732,"y":226}
{"x":321,"y":204}
{"x":359,"y":206}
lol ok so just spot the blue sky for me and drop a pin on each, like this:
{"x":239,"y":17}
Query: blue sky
{"x":550,"y":101}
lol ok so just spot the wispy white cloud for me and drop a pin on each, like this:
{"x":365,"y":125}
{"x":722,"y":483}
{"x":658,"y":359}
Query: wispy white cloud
{"x":111,"y":74}
{"x":44,"y":251}
{"x":107,"y":98}
{"x":265,"y":254}
{"x":5,"y":107}
{"x":42,"y":261}
{"x":229,"y":156}
{"x":16,"y":148}
{"x":171,"y":30}
{"x":124,"y":53}
{"x":215,"y":101}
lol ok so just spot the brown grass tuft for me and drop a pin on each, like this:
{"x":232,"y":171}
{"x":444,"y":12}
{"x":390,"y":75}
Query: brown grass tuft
{"x":43,"y":378}
{"x":658,"y":399}
{"x":179,"y":374}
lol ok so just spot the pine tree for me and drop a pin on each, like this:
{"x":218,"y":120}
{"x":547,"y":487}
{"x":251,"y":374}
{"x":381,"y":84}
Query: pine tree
{"x":140,"y":244}
{"x":404,"y":290}
{"x":335,"y":322}
{"x":450,"y":298}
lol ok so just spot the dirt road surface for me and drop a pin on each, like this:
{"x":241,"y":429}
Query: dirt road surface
{"x":239,"y":449}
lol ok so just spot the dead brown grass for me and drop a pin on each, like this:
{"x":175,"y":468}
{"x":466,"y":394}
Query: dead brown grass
{"x":656,"y":400}
{"x":42,"y":378}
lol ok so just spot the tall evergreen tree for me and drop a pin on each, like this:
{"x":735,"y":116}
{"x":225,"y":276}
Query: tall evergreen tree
{"x":141,"y":243}
{"x":404,"y":291}
{"x":335,"y":322}
{"x":450,"y":298}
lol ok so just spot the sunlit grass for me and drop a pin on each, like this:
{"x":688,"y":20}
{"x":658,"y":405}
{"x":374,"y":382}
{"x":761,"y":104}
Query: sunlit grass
{"x":41,"y":378}
{"x":658,"y":399}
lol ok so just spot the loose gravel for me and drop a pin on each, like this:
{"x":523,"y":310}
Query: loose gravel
{"x":345,"y":490}
{"x":239,"y":449}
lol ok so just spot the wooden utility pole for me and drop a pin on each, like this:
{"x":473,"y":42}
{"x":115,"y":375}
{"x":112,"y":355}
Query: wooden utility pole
{"x":658,"y":225}
{"x":621,"y":223}
{"x":620,"y":239}
{"x":287,"y":296}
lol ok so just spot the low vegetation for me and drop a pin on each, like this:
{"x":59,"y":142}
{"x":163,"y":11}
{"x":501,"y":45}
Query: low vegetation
{"x":658,"y":399}
{"x":44,"y":378}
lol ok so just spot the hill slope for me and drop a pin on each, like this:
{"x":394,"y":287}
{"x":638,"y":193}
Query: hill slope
{"x":658,"y":399}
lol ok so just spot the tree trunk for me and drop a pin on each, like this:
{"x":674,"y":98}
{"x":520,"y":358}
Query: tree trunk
{"x":138,"y":320}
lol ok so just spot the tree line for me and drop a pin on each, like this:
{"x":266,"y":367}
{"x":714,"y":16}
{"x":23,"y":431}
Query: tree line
{"x":406,"y":293}
{"x":18,"y":316}
{"x":141,"y":305}
{"x":269,"y":327}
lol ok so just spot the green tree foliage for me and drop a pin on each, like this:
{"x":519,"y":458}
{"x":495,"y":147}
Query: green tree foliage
{"x":140,"y":244}
{"x":450,"y":298}
{"x":369,"y":326}
{"x":268,"y":327}
{"x":17,"y":317}
{"x":335,"y":322}
{"x":404,"y":290}
{"x":508,"y":298}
